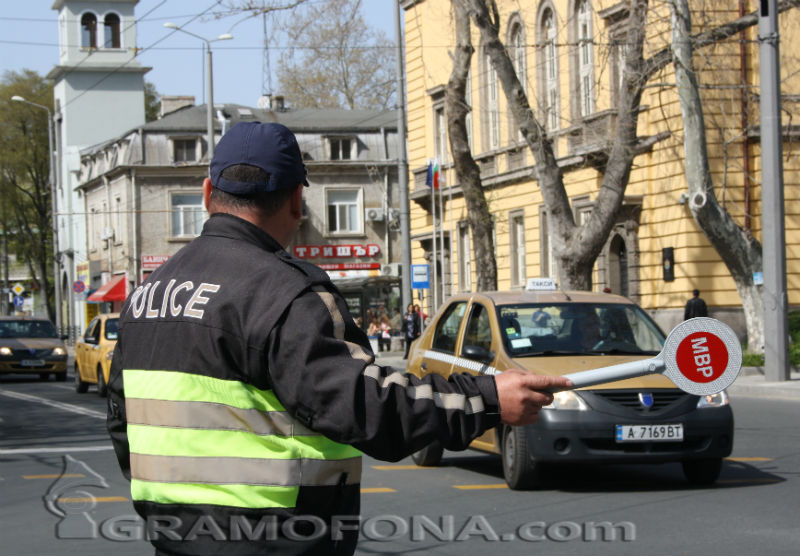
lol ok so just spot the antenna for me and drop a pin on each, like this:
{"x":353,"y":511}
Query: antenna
{"x":266,"y":72}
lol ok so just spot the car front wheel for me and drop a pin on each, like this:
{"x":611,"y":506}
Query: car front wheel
{"x":429,"y":456}
{"x":102,"y":387}
{"x":80,"y":386}
{"x":702,"y":471}
{"x":519,"y":469}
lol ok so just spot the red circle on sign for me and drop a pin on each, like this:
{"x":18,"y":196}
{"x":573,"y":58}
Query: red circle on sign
{"x":702,"y":357}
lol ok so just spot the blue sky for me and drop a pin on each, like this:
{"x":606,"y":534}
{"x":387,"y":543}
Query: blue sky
{"x":29,"y":36}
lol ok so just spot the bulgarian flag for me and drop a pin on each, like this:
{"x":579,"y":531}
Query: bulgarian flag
{"x":432,"y":178}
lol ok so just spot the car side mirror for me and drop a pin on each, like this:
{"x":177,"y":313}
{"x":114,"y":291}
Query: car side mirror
{"x":477,"y":353}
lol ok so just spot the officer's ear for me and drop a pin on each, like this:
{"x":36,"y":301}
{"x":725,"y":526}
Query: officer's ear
{"x":296,"y":202}
{"x":207,"y":193}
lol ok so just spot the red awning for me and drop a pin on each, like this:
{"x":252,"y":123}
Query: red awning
{"x":115,"y":289}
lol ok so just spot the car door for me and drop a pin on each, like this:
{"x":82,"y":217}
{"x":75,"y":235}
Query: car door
{"x":440,"y":356}
{"x":83,"y":351}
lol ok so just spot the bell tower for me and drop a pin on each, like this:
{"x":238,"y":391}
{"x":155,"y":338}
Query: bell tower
{"x":98,"y":94}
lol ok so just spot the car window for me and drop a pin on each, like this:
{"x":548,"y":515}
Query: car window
{"x":27,"y":329}
{"x":578,"y":328}
{"x":479,"y":328}
{"x":444,"y":337}
{"x":89,"y":335}
{"x":112,"y":329}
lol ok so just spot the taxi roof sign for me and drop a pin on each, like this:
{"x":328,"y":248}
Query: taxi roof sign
{"x":541,"y":284}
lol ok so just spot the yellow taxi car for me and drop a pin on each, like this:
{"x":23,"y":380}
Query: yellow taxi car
{"x":553,"y":332}
{"x":30,"y":345}
{"x":93,"y":353}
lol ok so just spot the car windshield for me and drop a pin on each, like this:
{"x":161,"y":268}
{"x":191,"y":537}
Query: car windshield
{"x":112,"y":329}
{"x":578,"y":328}
{"x":27,"y":329}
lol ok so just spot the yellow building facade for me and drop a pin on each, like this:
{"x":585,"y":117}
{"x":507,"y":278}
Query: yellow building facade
{"x":568,"y":55}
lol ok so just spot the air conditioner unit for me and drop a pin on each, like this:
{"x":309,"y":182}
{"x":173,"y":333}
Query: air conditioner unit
{"x":374,"y":215}
{"x":392,"y":269}
{"x":107,"y":233}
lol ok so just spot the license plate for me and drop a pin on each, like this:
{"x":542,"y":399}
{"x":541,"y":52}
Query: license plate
{"x":32,"y":363}
{"x":650,"y":433}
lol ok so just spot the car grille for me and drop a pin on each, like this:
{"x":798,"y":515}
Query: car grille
{"x":27,"y":354}
{"x":630,"y":398}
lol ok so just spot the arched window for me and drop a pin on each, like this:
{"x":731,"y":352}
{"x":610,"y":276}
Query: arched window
{"x":111,"y":24}
{"x":585,"y":58}
{"x":550,"y":51}
{"x":89,"y":30}
{"x":492,"y":106}
{"x":517,"y":52}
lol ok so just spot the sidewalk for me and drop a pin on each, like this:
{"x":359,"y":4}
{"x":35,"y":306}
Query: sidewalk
{"x":749,"y":384}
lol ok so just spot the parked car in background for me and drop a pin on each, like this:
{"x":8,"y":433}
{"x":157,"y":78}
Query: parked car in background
{"x":93,"y":353}
{"x":30,"y":345}
{"x":639,"y":420}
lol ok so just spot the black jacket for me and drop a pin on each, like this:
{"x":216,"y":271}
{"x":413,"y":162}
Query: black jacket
{"x":278,"y":323}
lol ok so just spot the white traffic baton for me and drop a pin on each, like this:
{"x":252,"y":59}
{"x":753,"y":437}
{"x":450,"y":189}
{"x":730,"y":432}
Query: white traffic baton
{"x":701,"y":356}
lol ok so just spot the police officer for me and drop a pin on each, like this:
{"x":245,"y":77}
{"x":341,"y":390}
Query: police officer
{"x":242,"y":393}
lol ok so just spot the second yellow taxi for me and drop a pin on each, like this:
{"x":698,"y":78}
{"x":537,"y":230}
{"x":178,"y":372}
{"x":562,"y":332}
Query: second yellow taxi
{"x":93,"y":353}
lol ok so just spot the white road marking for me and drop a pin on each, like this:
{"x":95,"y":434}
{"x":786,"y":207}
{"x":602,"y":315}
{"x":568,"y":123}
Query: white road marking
{"x":45,"y":450}
{"x":52,"y":403}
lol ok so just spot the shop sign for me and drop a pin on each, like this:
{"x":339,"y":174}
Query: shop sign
{"x":152,"y":262}
{"x":336,"y":251}
{"x":350,"y":266}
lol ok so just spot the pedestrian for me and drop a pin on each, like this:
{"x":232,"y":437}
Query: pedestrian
{"x":695,"y":307}
{"x":242,"y":393}
{"x":410,"y":327}
{"x":385,"y":334}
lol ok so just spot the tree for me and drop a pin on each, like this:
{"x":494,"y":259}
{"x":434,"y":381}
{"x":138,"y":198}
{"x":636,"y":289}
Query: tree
{"x":152,"y":102}
{"x":342,"y":63}
{"x":24,"y":175}
{"x":577,"y":247}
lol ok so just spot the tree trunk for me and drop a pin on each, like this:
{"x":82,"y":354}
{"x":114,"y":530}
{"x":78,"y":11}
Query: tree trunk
{"x":468,"y":174}
{"x":739,"y":250}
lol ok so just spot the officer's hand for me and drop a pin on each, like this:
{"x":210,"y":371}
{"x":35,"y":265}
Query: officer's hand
{"x":522,"y":395}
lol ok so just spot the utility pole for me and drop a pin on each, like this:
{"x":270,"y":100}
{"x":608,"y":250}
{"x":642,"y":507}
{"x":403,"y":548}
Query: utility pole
{"x":402,"y":164}
{"x":776,"y":325}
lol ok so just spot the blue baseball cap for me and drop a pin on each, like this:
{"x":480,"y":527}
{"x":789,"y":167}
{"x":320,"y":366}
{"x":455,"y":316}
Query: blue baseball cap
{"x":271,"y":147}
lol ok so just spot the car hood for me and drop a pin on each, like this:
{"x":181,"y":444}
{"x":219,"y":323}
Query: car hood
{"x":572,"y":364}
{"x":30,"y":343}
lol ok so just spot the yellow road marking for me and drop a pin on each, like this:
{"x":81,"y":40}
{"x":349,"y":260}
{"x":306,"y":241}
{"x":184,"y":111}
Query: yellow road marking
{"x":754,"y":480}
{"x":749,"y":459}
{"x":480,"y":487}
{"x":398,"y":467}
{"x":55,"y":476}
{"x":377,"y":489}
{"x":93,"y":499}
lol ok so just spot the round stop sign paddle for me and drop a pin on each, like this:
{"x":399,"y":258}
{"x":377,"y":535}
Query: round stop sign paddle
{"x":701,"y":356}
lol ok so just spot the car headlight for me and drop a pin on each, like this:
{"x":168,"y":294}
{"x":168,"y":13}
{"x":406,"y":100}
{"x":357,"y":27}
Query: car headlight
{"x":5,"y":350}
{"x":567,"y":400}
{"x":110,"y":355}
{"x":713,"y":400}
{"x":59,"y":351}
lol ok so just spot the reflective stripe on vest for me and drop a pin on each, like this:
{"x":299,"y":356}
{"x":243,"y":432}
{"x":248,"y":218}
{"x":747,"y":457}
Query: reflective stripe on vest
{"x":201,"y":440}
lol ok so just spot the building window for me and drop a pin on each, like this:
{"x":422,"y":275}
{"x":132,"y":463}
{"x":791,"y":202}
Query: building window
{"x":188,"y":214}
{"x":517,"y":54}
{"x":89,"y":30}
{"x":184,"y":150}
{"x":547,"y":260}
{"x":344,"y":210}
{"x":341,"y":148}
{"x":618,"y":53}
{"x":468,"y":117}
{"x":91,"y":227}
{"x":464,"y":257}
{"x":112,"y":37}
{"x":492,"y":106}
{"x":517,"y":248}
{"x":585,"y":59}
{"x":440,"y":134}
{"x":550,"y":52}
{"x":118,"y":219}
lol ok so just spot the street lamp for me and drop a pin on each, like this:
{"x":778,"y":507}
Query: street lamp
{"x":51,"y":179}
{"x":209,"y":81}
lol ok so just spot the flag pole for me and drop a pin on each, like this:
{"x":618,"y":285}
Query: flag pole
{"x":441,"y":236}
{"x":435,"y":297}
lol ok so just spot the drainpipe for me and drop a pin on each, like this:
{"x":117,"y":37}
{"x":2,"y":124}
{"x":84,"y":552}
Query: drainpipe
{"x":744,"y":124}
